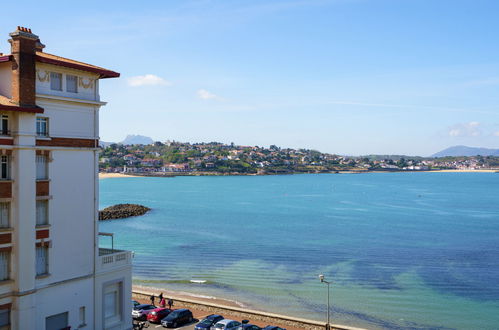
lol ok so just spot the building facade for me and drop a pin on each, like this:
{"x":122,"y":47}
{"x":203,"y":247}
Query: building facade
{"x":52,"y":273}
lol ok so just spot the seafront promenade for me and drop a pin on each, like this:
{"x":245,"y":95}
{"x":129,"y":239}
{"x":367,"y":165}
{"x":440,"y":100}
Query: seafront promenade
{"x":201,"y":307}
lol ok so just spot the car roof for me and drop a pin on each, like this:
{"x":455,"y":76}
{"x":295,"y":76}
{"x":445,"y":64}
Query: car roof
{"x":143,"y":305}
{"x":159,"y":309}
{"x":212,"y":316}
{"x":180,"y":310}
{"x":225,"y":321}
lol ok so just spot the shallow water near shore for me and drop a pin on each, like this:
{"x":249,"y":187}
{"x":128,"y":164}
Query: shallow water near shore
{"x":403,"y":250}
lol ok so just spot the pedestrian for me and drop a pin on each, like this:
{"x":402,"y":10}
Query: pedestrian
{"x":160,"y":297}
{"x":152,"y":299}
{"x":162,"y":302}
{"x":170,"y":303}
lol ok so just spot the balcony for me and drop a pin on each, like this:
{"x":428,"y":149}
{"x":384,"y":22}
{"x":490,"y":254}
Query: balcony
{"x":111,"y":259}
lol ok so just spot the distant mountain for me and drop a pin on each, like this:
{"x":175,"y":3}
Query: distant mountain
{"x":466,"y":151}
{"x":104,"y":144}
{"x":136,"y":139}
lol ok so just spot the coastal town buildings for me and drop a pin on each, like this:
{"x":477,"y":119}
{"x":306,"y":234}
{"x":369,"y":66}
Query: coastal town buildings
{"x":53,"y":275}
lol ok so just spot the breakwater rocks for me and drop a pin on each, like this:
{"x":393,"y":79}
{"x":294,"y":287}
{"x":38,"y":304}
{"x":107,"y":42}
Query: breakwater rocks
{"x":120,"y":211}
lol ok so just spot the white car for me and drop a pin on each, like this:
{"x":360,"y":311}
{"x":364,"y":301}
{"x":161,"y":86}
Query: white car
{"x":227,"y":325}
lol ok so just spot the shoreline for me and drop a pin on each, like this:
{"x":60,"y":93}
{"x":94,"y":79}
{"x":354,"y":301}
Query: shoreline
{"x":103,"y":175}
{"x":202,"y":305}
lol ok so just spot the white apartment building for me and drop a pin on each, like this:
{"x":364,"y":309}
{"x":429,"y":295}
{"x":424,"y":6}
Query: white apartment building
{"x":52,"y":273}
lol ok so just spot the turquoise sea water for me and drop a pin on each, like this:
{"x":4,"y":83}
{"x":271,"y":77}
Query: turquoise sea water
{"x":403,"y":250}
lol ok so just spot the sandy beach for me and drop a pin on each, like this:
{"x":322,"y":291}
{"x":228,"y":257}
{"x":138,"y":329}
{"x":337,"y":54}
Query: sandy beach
{"x":116,"y":175}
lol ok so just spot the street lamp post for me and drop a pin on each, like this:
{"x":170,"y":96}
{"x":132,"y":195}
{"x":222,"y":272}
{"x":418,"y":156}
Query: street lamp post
{"x":321,"y":277}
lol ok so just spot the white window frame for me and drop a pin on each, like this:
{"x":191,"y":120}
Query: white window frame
{"x":4,"y":125}
{"x":114,"y":316}
{"x":4,"y":266}
{"x":42,"y":167}
{"x":4,"y":167}
{"x":42,"y":260}
{"x":42,"y":212}
{"x":5,"y":215}
{"x":69,"y":78}
{"x":54,"y":76}
{"x":82,"y":317}
{"x":42,"y":126}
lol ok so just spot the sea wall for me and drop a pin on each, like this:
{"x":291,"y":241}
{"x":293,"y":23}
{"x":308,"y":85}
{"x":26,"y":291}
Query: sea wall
{"x":242,"y":313}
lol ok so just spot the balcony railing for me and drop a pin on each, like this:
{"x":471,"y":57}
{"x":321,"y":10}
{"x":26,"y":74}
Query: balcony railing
{"x":112,"y":258}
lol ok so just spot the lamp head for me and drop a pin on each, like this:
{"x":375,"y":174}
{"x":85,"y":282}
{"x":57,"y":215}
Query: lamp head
{"x":321,"y":277}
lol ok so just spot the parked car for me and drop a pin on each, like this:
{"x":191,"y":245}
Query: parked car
{"x":226,"y":324}
{"x":272,"y":327}
{"x":140,"y":312}
{"x":177,"y":317}
{"x":248,"y":326}
{"x":208,"y":322}
{"x":135,"y":303}
{"x":157,"y":314}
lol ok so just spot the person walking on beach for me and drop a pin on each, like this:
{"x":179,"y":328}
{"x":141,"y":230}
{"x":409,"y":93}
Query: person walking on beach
{"x":160,"y":297}
{"x":152,"y":299}
{"x":170,"y":303}
{"x":162,"y":302}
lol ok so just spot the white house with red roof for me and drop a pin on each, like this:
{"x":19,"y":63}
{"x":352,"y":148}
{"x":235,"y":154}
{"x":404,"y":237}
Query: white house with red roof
{"x":53,"y":275}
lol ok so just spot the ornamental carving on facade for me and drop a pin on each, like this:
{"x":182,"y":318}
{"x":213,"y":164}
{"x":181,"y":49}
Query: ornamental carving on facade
{"x":43,"y":77}
{"x":86,"y":83}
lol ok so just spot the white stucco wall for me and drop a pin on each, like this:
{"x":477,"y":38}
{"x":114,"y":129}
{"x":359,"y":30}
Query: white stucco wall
{"x":71,"y":120}
{"x":69,"y":298}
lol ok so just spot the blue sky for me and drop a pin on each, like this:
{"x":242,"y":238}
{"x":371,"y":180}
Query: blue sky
{"x":347,"y":76}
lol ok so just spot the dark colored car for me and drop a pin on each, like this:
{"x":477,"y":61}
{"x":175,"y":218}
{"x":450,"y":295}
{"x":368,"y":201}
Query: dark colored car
{"x":135,"y":303}
{"x":177,"y":317}
{"x":272,"y":327}
{"x":248,"y":326}
{"x":156,"y":315}
{"x":140,"y":312}
{"x":208,"y":321}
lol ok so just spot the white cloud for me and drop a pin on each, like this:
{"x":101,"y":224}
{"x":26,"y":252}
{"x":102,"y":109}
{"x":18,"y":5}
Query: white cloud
{"x":148,"y":80}
{"x":496,"y":133}
{"x":470,"y":129}
{"x":206,"y":95}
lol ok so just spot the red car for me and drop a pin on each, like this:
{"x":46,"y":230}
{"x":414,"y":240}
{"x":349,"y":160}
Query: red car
{"x":157,"y":314}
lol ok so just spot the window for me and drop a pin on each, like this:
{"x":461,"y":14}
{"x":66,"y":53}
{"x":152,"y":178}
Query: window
{"x":41,"y":167}
{"x":42,"y":212}
{"x":82,"y":316}
{"x":4,"y":265}
{"x":42,"y":126}
{"x":42,"y":260}
{"x":57,"y":322}
{"x":4,"y":125}
{"x":56,"y":81}
{"x":4,"y":318}
{"x":4,"y":215}
{"x":71,"y":84}
{"x":4,"y":167}
{"x":112,"y":304}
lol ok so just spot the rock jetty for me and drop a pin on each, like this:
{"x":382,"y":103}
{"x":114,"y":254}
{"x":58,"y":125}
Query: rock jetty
{"x":120,"y":211}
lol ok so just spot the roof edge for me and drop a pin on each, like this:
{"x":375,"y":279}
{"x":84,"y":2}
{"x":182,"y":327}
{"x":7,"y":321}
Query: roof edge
{"x":16,"y":108}
{"x":5,"y":58}
{"x":103,"y":73}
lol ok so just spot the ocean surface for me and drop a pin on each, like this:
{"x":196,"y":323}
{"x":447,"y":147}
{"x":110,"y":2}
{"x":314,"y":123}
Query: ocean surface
{"x":402,"y":250}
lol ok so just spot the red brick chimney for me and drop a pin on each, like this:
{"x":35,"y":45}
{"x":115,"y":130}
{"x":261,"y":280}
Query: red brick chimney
{"x":24,"y":45}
